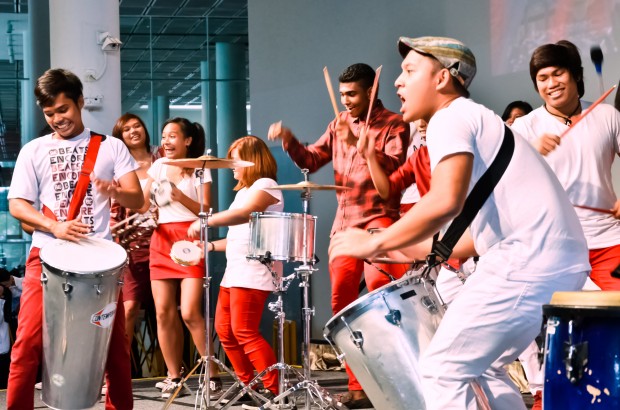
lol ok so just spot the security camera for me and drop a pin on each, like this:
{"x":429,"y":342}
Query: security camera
{"x":111,"y":43}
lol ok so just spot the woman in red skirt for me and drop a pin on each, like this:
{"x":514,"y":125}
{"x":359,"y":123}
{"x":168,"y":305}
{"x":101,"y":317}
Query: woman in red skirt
{"x":177,"y":196}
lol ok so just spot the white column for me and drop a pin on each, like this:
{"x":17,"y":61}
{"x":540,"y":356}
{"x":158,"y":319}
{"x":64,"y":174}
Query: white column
{"x":75,"y":34}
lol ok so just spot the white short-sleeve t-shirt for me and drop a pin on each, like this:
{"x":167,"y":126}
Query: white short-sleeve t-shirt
{"x":47,"y":170}
{"x":527,"y":229}
{"x":189,"y":185}
{"x":241,"y":272}
{"x":583,"y":163}
{"x":411,"y":195}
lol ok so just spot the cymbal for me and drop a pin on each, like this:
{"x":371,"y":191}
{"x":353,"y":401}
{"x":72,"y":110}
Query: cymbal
{"x":310,"y":186}
{"x":209,"y":162}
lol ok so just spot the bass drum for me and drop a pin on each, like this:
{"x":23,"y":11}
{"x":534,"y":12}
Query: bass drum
{"x":381,"y":336}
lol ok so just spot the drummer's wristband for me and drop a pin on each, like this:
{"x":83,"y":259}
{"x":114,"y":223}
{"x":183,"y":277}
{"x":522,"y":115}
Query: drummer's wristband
{"x":212,"y":248}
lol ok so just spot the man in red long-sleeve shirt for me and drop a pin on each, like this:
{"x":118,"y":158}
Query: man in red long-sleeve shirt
{"x":360,"y":206}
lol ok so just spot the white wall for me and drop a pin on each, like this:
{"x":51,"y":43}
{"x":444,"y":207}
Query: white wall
{"x":291,"y":42}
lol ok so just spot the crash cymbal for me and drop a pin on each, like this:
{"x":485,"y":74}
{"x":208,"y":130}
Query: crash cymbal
{"x":311,"y":186}
{"x":209,"y":162}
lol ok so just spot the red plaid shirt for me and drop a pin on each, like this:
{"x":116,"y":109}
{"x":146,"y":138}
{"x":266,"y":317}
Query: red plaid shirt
{"x":360,"y":204}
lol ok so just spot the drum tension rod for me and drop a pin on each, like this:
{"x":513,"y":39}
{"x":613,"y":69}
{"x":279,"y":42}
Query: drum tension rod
{"x":575,"y":356}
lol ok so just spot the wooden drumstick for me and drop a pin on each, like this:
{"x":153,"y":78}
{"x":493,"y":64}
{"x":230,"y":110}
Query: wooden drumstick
{"x":588,"y":111}
{"x":124,"y":221}
{"x":373,"y":93}
{"x":330,"y":90}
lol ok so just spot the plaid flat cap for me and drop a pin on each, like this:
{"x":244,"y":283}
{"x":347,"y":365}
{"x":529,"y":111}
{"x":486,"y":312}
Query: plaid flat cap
{"x":451,"y":53}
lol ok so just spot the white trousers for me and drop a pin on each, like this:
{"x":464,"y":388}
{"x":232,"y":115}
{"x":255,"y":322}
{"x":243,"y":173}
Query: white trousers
{"x":487,"y":325}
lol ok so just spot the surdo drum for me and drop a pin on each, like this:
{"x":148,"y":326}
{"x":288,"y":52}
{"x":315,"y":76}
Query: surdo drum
{"x":280,"y":236}
{"x":582,"y":351}
{"x":80,"y":292}
{"x":382,"y":335}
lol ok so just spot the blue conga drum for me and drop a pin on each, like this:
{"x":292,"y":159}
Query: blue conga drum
{"x":582,"y":351}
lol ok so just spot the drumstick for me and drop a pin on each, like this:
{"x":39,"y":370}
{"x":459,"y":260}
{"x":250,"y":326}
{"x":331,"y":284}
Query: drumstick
{"x":330,"y":90}
{"x":588,"y":111}
{"x":373,"y":93}
{"x":124,"y":221}
{"x":605,"y":211}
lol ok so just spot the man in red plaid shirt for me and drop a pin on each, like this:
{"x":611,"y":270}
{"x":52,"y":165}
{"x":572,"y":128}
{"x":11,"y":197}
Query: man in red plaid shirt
{"x":360,"y":206}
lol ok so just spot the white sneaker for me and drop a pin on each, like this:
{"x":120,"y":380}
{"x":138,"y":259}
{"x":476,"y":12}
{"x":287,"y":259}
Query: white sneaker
{"x":163,"y":383}
{"x":172,"y":387}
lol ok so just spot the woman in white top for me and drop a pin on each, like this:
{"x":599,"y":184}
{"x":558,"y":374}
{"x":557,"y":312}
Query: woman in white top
{"x":246,"y":283}
{"x":180,"y":139}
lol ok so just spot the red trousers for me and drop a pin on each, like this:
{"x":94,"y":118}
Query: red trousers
{"x":237,"y":318}
{"x":603,"y":262}
{"x":28,"y":348}
{"x":346,"y":273}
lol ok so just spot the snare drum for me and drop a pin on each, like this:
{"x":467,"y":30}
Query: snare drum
{"x":281,"y":236}
{"x":582,"y":351}
{"x":80,"y":291}
{"x":382,"y":335}
{"x":161,"y":192}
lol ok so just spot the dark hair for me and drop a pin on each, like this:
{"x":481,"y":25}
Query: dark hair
{"x":117,"y":131}
{"x":190,"y":129}
{"x":561,"y":54}
{"x":522,"y":105}
{"x":54,"y":82}
{"x":253,"y":149}
{"x":360,"y":72}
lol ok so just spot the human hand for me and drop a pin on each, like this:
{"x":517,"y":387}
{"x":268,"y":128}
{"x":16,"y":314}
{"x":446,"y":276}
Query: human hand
{"x":194,"y":229}
{"x":344,"y":133}
{"x":277,"y":131}
{"x":366,"y":144}
{"x":176,"y":195}
{"x":354,"y":242}
{"x":107,"y":188}
{"x":546,"y":143}
{"x":615,"y":211}
{"x":73,"y":230}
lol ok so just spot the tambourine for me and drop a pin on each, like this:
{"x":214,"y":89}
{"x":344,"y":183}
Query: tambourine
{"x":161,"y":192}
{"x":186,"y":253}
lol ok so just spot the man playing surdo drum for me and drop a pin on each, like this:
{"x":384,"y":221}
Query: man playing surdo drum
{"x":37,"y":179}
{"x":529,"y":249}
{"x":361,"y":206}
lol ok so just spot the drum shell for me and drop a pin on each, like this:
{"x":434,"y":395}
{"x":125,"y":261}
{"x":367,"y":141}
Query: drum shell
{"x":387,"y":363}
{"x":599,"y":386}
{"x":282,"y":235}
{"x":75,"y":349}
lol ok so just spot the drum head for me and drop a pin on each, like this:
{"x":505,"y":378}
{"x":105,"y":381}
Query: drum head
{"x":89,"y":255}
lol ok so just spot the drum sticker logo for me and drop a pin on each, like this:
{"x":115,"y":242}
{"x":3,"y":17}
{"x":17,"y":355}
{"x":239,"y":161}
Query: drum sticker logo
{"x":105,"y":317}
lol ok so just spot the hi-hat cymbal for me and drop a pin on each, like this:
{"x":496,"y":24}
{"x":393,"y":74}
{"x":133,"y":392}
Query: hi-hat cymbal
{"x":209,"y":162}
{"x":310,"y":186}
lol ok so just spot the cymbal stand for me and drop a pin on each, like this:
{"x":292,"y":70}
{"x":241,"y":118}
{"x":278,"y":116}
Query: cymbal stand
{"x":203,"y":399}
{"x":314,"y":393}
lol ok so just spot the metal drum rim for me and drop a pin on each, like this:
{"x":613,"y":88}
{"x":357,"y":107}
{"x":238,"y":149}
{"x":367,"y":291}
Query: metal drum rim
{"x":89,"y":274}
{"x":283,"y":214}
{"x":580,"y":311}
{"x":363,"y":302}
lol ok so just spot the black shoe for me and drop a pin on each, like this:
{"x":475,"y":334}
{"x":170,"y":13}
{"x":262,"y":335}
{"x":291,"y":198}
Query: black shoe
{"x":245,"y":399}
{"x":351,"y":403}
{"x":215,"y":388}
{"x":267,"y":394}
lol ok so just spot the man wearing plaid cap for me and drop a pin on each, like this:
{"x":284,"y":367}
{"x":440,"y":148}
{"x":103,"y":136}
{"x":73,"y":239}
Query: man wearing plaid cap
{"x":527,"y":234}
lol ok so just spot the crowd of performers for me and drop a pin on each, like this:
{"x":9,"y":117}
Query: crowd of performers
{"x":551,"y":221}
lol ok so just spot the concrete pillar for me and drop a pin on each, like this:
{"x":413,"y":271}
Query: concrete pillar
{"x":231,"y":113}
{"x":79,"y":47}
{"x":163,"y":112}
{"x":36,"y":61}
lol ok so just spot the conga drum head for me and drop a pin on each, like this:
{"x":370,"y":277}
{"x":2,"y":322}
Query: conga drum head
{"x":90,"y":256}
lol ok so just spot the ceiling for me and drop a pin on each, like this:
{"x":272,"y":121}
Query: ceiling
{"x":164,"y":42}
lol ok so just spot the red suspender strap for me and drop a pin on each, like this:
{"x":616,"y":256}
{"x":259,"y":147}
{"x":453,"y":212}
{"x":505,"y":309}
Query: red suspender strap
{"x":83,"y":180}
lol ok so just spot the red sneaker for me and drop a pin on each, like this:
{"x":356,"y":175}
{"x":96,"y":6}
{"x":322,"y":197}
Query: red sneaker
{"x":537,"y":401}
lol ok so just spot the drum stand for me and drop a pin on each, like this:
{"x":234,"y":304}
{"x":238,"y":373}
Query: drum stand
{"x":314,"y":393}
{"x":203,"y":399}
